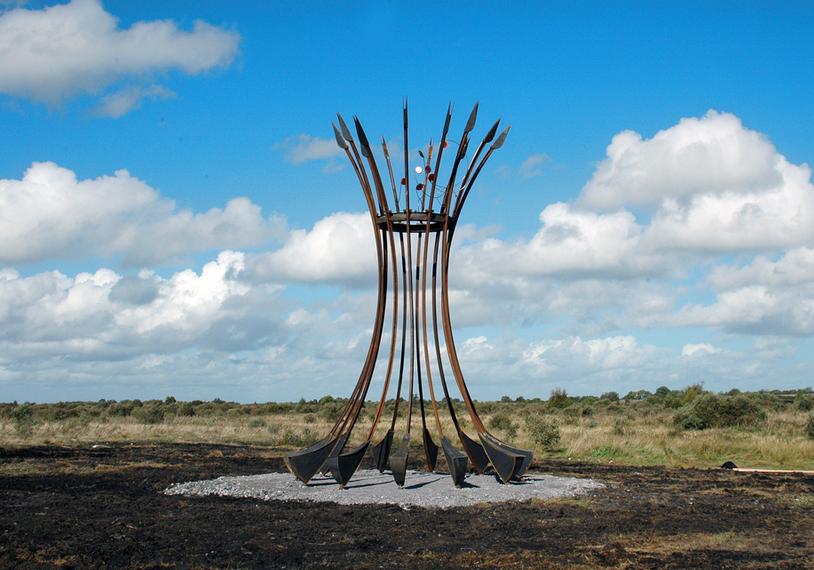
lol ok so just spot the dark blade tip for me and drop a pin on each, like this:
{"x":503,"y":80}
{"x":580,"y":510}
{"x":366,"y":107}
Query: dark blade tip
{"x":473,"y":116}
{"x":501,"y":139}
{"x":491,"y":134}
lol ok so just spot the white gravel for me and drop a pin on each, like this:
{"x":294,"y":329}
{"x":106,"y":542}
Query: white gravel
{"x":432,"y":490}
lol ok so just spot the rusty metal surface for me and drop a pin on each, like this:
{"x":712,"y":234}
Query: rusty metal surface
{"x":413,"y":226}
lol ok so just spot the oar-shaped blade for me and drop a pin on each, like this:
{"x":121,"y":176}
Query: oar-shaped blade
{"x":505,"y":461}
{"x":331,"y":464}
{"x":457,"y":461}
{"x":430,"y":450}
{"x":398,"y":461}
{"x":527,"y":455}
{"x":381,"y":451}
{"x":348,"y":463}
{"x":305,"y":463}
{"x":475,"y":452}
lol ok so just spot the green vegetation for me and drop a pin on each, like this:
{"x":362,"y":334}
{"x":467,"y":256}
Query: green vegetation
{"x":687,"y":427}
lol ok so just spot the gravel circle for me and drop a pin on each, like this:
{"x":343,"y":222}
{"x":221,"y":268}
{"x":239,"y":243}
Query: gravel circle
{"x":429,"y":490}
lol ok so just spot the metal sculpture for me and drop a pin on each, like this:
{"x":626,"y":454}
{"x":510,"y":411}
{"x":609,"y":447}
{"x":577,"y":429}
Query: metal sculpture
{"x":413,"y":229}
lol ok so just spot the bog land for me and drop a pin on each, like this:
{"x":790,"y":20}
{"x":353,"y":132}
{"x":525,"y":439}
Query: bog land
{"x":82,"y":485}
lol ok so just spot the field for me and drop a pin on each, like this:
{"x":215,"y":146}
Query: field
{"x":80,"y":487}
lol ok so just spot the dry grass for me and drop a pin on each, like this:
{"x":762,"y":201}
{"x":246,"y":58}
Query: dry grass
{"x":649,"y":438}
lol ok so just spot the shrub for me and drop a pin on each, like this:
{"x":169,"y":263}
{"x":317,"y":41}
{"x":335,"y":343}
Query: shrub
{"x":620,"y":426}
{"x":330,"y":412}
{"x":23,"y":417}
{"x":503,"y":423}
{"x":810,"y":427}
{"x":255,"y":423}
{"x":713,"y":410}
{"x":805,"y":403}
{"x":293,"y":439}
{"x":543,"y":433}
{"x":558,"y":398}
{"x":149,"y":414}
{"x":610,"y":396}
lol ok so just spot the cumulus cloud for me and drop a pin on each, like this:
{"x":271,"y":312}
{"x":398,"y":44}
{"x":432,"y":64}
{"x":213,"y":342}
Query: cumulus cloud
{"x":60,"y":51}
{"x":712,"y":184}
{"x":795,"y":267}
{"x":105,"y":315}
{"x":708,"y":155}
{"x":339,"y":249}
{"x":591,"y":355}
{"x":49,"y":213}
{"x":763,"y":297}
{"x":570,"y":243}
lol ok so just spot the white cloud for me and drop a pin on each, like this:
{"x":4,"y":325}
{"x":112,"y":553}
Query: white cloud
{"x":714,"y":185}
{"x":713,"y":154}
{"x":305,"y":148}
{"x":755,"y":310}
{"x":795,"y":267}
{"x":700,"y":349}
{"x":59,"y":51}
{"x":121,"y":102}
{"x":49,"y":213}
{"x":591,"y":355}
{"x":569,"y":243}
{"x":339,"y":249}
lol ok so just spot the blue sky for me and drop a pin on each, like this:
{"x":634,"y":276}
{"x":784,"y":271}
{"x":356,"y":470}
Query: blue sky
{"x":682,"y":265}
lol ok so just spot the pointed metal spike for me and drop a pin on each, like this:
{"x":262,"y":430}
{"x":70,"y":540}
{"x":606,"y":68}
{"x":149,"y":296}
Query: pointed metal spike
{"x":491,"y":134}
{"x":344,"y":127}
{"x":339,"y":140}
{"x":363,"y":142}
{"x":447,"y":119}
{"x":473,"y":116}
{"x":501,"y":139}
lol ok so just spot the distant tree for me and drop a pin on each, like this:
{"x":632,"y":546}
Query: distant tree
{"x":610,"y":396}
{"x":558,"y":398}
{"x":505,"y":399}
{"x":663,"y":391}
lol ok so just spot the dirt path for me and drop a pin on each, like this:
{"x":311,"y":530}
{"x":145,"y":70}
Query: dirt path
{"x":100,"y":507}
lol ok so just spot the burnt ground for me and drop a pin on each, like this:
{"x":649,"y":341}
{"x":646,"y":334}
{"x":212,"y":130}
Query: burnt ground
{"x":102,"y":507}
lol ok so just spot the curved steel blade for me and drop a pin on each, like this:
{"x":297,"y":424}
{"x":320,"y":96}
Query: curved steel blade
{"x":381,"y":452}
{"x":305,"y":463}
{"x":474,"y":450}
{"x":398,"y":461}
{"x":527,"y":455}
{"x":457,"y":461}
{"x":430,"y":450}
{"x":505,"y":462}
{"x":348,"y":463}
